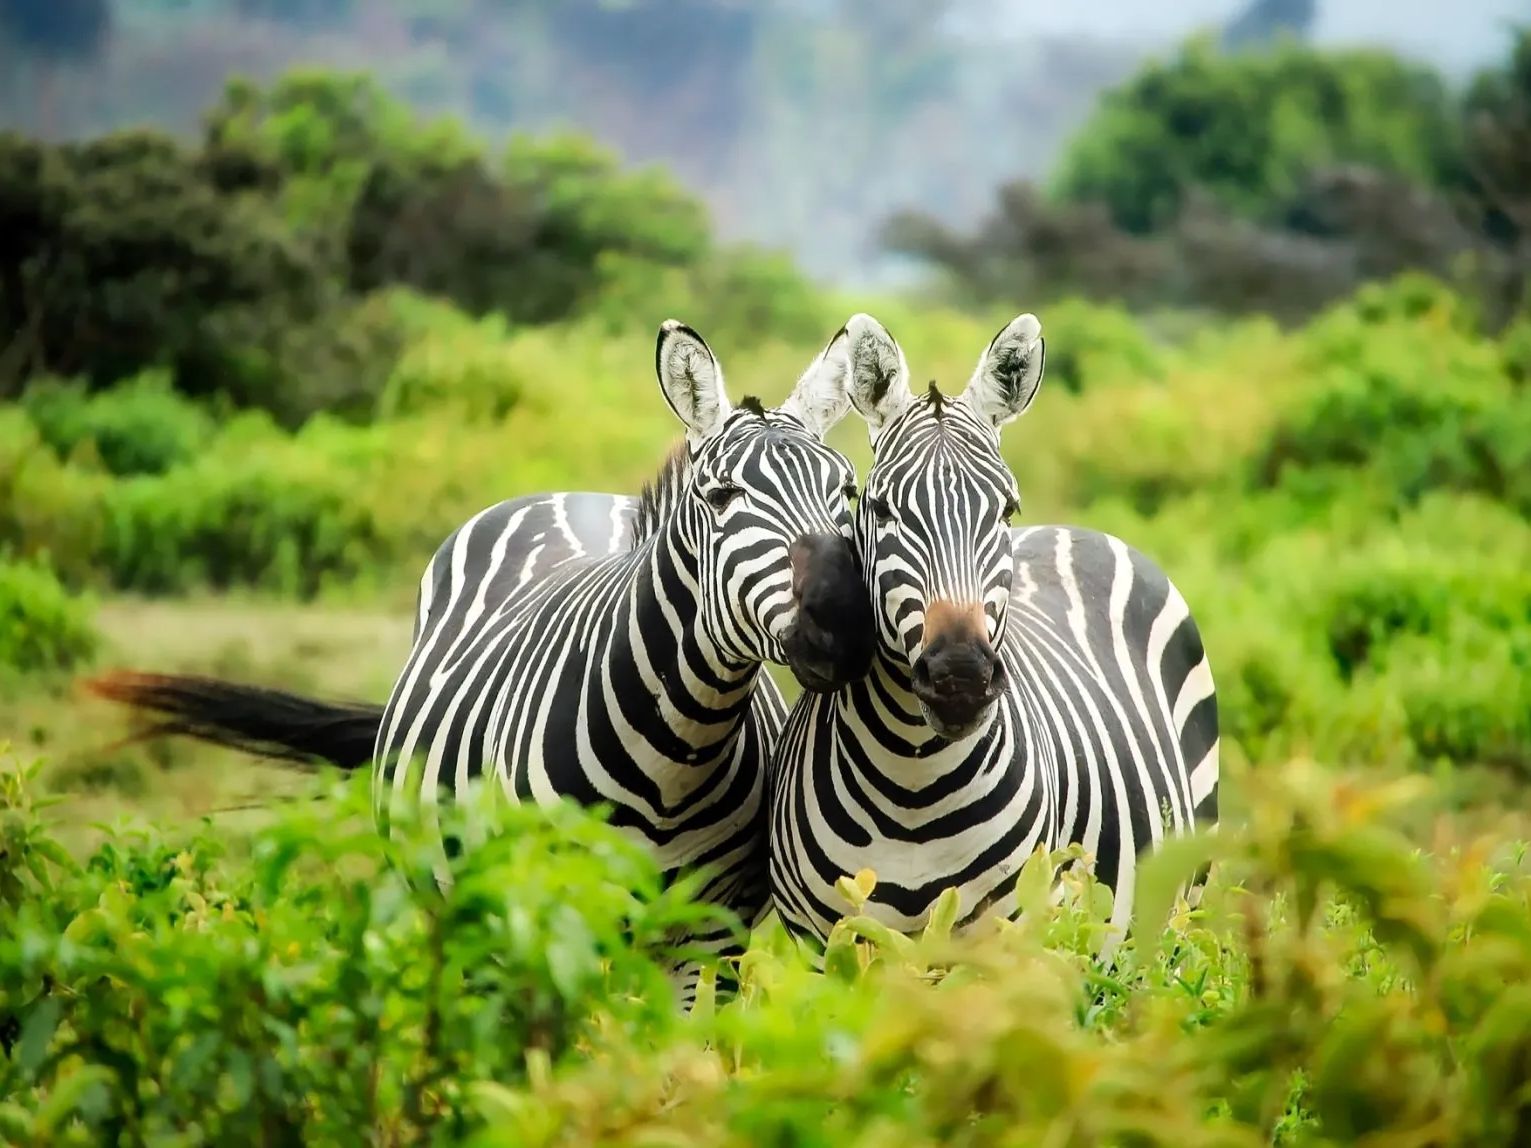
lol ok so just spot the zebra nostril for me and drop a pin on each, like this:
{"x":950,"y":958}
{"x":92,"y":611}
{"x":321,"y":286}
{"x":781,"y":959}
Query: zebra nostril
{"x":922,"y":672}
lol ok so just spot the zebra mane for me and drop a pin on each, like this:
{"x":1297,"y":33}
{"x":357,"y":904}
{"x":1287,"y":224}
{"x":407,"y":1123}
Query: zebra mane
{"x":657,"y":498}
{"x":937,"y":400}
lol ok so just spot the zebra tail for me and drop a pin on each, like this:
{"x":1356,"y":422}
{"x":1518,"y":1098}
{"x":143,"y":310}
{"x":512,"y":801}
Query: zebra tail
{"x":266,"y":722}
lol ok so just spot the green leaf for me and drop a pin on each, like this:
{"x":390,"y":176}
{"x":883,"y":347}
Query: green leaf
{"x":943,"y":915}
{"x":1161,"y":875}
{"x":67,"y":1096}
{"x":37,"y":1033}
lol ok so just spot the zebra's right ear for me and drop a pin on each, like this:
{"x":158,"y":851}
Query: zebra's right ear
{"x":692,"y":381}
{"x":878,"y":380}
{"x":822,"y":394}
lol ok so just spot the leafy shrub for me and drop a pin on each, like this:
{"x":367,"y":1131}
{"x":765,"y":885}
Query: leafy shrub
{"x":462,"y":369}
{"x":287,"y":514}
{"x":1336,"y":984}
{"x":739,"y":297}
{"x":1517,"y":353}
{"x":139,"y":426}
{"x":42,"y":627}
{"x":1405,"y":389}
{"x":46,"y":507}
{"x":1098,"y":343}
{"x":313,"y":988}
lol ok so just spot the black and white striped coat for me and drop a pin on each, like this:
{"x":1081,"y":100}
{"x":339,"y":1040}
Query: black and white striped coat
{"x":608,"y":649}
{"x":1033,"y":685}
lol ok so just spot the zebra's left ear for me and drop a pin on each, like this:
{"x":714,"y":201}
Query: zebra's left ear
{"x":1009,"y":372}
{"x":822,"y":395}
{"x":692,"y":381}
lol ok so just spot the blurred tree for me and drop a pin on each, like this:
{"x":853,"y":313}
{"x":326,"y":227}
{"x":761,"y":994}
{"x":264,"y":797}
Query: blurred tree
{"x":1247,"y":128}
{"x":1498,"y":118}
{"x":119,"y":254}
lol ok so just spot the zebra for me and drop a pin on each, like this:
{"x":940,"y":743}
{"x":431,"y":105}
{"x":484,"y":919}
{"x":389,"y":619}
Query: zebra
{"x":1034,"y":685}
{"x":607,"y":649}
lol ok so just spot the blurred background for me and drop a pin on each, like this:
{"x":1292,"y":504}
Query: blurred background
{"x":288,"y":288}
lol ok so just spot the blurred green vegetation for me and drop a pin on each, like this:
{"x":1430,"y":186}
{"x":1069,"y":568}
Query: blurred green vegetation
{"x":1274,"y":181}
{"x":304,"y":983}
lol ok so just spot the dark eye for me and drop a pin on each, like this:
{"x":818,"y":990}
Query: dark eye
{"x":1012,"y":508}
{"x":850,"y":492}
{"x":720,"y":496}
{"x":881,"y":508}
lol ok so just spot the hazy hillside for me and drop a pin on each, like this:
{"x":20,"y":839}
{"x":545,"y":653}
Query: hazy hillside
{"x":802,"y":124}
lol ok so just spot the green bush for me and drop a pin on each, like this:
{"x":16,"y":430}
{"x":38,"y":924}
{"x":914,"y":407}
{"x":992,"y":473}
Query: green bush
{"x":459,"y":369}
{"x":739,"y":297}
{"x":1403,"y":387}
{"x":288,"y":514}
{"x":1091,"y":343}
{"x":139,"y":426}
{"x":310,"y":986}
{"x":309,"y":989}
{"x":46,"y":507}
{"x":1517,"y":353}
{"x":43,"y":628}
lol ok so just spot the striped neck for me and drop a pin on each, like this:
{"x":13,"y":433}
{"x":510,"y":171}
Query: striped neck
{"x":881,"y":715}
{"x":661,"y":650}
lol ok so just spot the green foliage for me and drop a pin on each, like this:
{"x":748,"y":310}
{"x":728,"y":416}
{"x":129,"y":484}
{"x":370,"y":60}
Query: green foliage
{"x":1247,"y":127}
{"x":285,"y":514}
{"x":739,"y":296}
{"x":140,"y":426}
{"x":42,"y":627}
{"x":310,"y":984}
{"x":1405,"y":390}
{"x":247,"y":267}
{"x":316,"y":984}
{"x":1100,"y":343}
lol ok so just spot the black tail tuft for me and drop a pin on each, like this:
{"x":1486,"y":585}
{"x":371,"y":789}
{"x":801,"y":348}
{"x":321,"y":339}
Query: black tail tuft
{"x":269,"y":723}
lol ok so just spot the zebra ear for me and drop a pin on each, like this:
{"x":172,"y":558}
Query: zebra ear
{"x":691,"y":379}
{"x":1009,"y":371}
{"x":879,"y":376}
{"x":822,"y":395}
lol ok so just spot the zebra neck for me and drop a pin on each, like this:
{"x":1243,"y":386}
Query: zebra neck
{"x":700,"y":698}
{"x":881,"y":717}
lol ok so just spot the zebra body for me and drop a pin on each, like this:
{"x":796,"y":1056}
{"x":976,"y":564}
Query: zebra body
{"x":1032,"y":686}
{"x":554,"y":657}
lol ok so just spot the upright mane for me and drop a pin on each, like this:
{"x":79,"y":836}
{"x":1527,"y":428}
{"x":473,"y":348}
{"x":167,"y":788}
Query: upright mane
{"x":937,"y":400}
{"x":657,"y":498}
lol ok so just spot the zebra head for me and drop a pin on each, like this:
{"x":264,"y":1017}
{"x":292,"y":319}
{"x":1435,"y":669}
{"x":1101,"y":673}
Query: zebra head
{"x":766,"y":508}
{"x":933,"y":527}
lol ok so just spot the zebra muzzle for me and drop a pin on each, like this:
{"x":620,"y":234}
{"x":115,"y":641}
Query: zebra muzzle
{"x":831,"y":638}
{"x":958,"y":674}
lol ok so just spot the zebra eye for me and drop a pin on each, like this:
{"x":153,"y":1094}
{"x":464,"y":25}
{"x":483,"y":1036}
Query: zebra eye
{"x":720,"y":496}
{"x":1012,"y":508}
{"x":850,"y":492}
{"x":881,"y":508}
